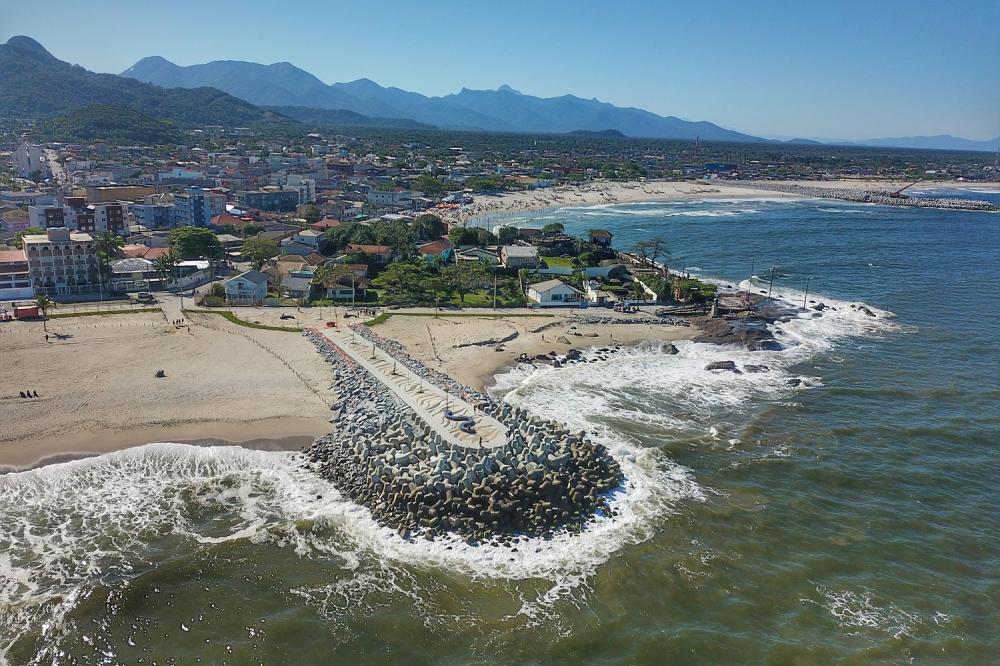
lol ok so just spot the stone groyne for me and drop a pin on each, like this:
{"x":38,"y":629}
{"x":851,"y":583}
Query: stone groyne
{"x":388,"y":459}
{"x":880,"y":197}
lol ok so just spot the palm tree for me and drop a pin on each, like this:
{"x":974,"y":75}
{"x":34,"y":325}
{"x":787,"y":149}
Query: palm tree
{"x":109,"y":244}
{"x":165,"y":264}
{"x":44,"y":303}
{"x":331,"y":273}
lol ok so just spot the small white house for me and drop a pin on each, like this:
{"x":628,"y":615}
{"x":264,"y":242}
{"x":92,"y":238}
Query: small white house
{"x":553,"y":293}
{"x":249,"y":288}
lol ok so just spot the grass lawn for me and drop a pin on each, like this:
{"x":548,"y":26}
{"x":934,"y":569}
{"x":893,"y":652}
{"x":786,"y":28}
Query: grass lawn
{"x":480,"y":299}
{"x":243,"y":322}
{"x":106,"y":313}
{"x":558,"y":262}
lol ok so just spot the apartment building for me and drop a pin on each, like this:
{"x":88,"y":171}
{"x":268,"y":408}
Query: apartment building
{"x":192,"y":208}
{"x":76,"y":215}
{"x":15,"y":279}
{"x":62,"y":261}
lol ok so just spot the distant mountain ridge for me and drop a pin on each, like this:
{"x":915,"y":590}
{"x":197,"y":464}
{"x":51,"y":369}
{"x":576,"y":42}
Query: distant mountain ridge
{"x":34,"y":83}
{"x":504,"y":109}
{"x":937,"y":142}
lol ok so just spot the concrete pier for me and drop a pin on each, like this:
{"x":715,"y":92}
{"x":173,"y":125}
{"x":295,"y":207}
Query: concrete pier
{"x":424,"y":398}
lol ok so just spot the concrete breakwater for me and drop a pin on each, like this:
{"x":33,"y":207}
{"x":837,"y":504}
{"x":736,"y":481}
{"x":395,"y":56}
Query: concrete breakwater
{"x":880,"y":197}
{"x":391,"y":460}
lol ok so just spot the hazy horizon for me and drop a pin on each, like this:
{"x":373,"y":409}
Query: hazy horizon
{"x":854,"y":72}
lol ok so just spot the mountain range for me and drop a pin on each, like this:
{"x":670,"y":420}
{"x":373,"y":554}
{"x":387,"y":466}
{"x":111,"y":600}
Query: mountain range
{"x":35,"y":83}
{"x":504,"y":109}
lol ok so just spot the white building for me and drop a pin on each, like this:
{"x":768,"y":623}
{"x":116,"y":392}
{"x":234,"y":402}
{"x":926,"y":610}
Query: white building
{"x":249,"y":288}
{"x":402,"y":198}
{"x":30,"y":157}
{"x":62,"y":262}
{"x":552,"y":293}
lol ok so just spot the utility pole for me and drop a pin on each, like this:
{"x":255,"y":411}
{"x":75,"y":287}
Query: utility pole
{"x":753,"y":263}
{"x":494,"y":288}
{"x":808,"y":280}
{"x":771,"y":283}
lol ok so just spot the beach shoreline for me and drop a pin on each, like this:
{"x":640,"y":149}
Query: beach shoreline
{"x":484,"y":207}
{"x":277,"y":434}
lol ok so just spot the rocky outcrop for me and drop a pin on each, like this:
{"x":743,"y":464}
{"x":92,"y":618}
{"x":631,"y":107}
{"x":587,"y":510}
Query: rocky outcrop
{"x":723,"y":365}
{"x":751,"y":333}
{"x":492,"y":342}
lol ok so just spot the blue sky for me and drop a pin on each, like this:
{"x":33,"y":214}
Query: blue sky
{"x":840,"y":69}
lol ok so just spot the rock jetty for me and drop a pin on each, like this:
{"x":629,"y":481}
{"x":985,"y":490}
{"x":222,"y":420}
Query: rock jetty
{"x":880,"y":197}
{"x":386,"y":458}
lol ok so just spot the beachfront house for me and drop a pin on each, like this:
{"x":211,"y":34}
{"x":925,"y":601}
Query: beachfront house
{"x":598,"y":296}
{"x":438,"y":248}
{"x":519,"y":256}
{"x":249,"y":288}
{"x":553,"y":293}
{"x":488,"y":257}
{"x":600,"y":237}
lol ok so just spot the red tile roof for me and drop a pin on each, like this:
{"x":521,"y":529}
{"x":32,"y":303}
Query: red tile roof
{"x":434,"y":248}
{"x":11,"y":256}
{"x":325,"y":223}
{"x":370,"y":249}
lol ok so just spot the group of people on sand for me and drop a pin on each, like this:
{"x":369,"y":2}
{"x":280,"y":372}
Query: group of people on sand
{"x":29,"y":394}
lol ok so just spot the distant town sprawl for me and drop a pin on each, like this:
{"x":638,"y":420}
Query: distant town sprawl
{"x":251,"y":215}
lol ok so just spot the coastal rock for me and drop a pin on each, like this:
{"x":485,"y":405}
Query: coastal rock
{"x":723,"y":365}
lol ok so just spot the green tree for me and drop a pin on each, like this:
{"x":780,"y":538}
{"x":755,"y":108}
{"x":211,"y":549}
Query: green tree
{"x":428,"y":184}
{"x":30,"y":231}
{"x":108,"y":247}
{"x":312,"y":213}
{"x":553,"y":228}
{"x":195,"y":243}
{"x":506,"y":234}
{"x":429,"y":227}
{"x":44,"y":304}
{"x":165,"y":264}
{"x":258,"y":249}
{"x":465,"y":277}
{"x":331,"y":274}
{"x":405,"y":282}
{"x":471,"y":236}
{"x":252,"y":229}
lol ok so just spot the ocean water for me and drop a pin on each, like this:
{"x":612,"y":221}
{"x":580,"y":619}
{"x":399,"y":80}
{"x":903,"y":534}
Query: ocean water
{"x":850,"y":518}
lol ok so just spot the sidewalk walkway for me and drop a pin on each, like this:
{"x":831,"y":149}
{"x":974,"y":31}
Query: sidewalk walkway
{"x":426,"y":399}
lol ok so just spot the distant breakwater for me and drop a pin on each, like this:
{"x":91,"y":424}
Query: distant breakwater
{"x":880,"y":197}
{"x":388,"y":459}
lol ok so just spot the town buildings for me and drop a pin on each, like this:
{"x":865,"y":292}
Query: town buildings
{"x":269,"y":200}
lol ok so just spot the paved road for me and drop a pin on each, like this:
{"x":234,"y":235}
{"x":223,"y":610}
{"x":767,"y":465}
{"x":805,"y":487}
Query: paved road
{"x":427,"y":400}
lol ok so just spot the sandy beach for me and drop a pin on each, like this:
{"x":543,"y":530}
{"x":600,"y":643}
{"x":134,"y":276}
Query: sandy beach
{"x":596,"y":193}
{"x":466,"y":348}
{"x":97,"y":392}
